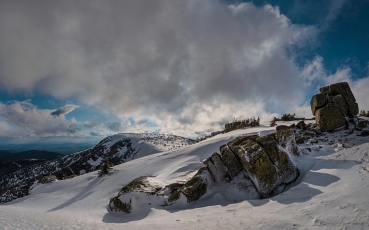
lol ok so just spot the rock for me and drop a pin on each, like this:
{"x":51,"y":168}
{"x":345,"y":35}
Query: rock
{"x":362,"y":124}
{"x":117,"y":205}
{"x":340,"y":102}
{"x":258,"y":166}
{"x":230,"y":161}
{"x":318,"y":101}
{"x":280,"y":127}
{"x":343,"y":88}
{"x":47,"y":179}
{"x":329,"y":118}
{"x":217,"y":168}
{"x":140,"y":184}
{"x":197,"y":185}
{"x":301,"y":125}
{"x":212,"y":169}
{"x":174,"y":192}
{"x":300,"y":140}
{"x":332,"y":105}
{"x":123,"y":202}
{"x":364,"y":133}
{"x":270,"y":145}
{"x":286,"y":138}
{"x":267,"y":165}
{"x":221,"y":168}
{"x":140,"y":192}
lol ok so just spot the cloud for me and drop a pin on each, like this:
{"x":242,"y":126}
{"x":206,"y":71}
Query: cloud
{"x":173,"y":62}
{"x":22,"y":118}
{"x":95,"y":134}
{"x":333,"y":12}
{"x":64,"y":110}
{"x":315,"y":72}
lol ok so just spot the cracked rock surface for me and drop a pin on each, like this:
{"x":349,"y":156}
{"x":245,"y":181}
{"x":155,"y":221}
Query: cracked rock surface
{"x":332,"y":105}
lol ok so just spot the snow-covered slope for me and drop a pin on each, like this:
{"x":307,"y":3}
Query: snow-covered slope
{"x":120,"y":148}
{"x":332,"y":193}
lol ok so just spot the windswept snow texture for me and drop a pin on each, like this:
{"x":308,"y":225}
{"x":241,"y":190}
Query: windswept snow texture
{"x":332,"y":193}
{"x":120,"y":148}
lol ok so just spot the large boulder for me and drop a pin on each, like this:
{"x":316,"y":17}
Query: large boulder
{"x":266,"y":163}
{"x":143,"y":193}
{"x":123,"y":202}
{"x":332,"y":105}
{"x":330,"y":117}
{"x":216,"y":167}
{"x":343,"y":88}
{"x":251,"y":164}
{"x":196,"y":187}
{"x":287,"y":139}
{"x":230,"y":161}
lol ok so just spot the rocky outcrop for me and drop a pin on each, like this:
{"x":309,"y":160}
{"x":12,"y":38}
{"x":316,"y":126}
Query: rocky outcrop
{"x":332,"y":105}
{"x":142,"y":192}
{"x":266,"y":163}
{"x":262,"y":163}
{"x":217,"y":167}
{"x":47,"y":179}
{"x":362,"y":124}
{"x":286,"y":138}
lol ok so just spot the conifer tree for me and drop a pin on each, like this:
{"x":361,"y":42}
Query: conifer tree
{"x":105,"y":166}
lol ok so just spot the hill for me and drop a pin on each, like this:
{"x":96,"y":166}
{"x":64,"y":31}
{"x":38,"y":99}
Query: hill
{"x":12,"y":161}
{"x":120,"y":148}
{"x":330,"y":192}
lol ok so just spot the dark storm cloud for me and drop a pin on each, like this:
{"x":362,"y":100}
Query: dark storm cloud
{"x":114,"y":126}
{"x":95,"y":134}
{"x":64,"y":110}
{"x":158,"y":59}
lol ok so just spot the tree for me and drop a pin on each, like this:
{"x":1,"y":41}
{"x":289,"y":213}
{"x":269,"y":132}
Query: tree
{"x":272,"y":122}
{"x":105,"y":166}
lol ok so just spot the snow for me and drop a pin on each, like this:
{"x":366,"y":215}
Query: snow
{"x":331,"y":193}
{"x":95,"y":163}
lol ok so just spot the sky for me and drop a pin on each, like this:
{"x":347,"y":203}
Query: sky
{"x":87,"y":69}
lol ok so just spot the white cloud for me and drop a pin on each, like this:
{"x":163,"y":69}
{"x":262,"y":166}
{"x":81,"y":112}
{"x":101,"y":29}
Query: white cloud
{"x":22,"y":118}
{"x":153,"y":59}
{"x":315,"y":72}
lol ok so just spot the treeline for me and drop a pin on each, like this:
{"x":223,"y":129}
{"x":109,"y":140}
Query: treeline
{"x":251,"y":122}
{"x":285,"y":117}
{"x":235,"y":124}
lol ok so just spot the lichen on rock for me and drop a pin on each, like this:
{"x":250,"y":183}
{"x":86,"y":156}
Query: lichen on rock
{"x":197,"y":185}
{"x":332,"y":105}
{"x":287,"y":139}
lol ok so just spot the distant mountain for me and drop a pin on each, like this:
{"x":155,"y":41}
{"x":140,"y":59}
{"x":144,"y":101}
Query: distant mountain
{"x":119,"y":148}
{"x":29,"y":154}
{"x":12,"y":161}
{"x":59,"y":147}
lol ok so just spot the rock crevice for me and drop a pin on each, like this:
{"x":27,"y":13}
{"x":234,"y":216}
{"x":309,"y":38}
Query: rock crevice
{"x":333,"y":105}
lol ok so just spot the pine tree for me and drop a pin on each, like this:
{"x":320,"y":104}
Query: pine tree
{"x":272,"y":122}
{"x":105,"y":166}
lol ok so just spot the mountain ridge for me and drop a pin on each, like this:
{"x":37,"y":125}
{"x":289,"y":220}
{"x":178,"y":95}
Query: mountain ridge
{"x":120,"y":148}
